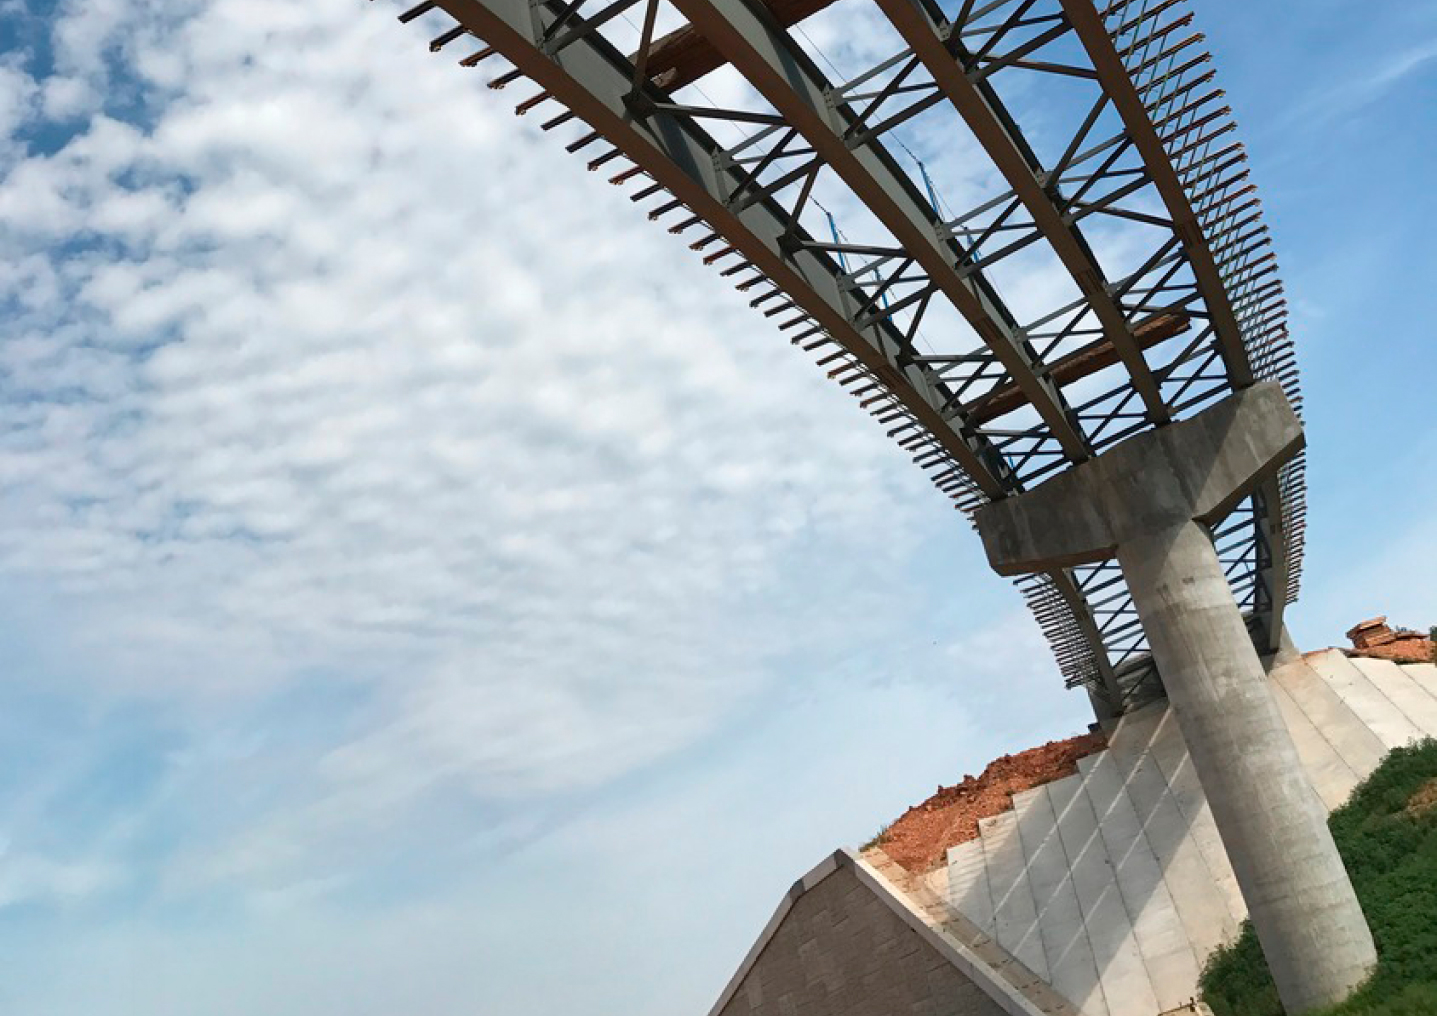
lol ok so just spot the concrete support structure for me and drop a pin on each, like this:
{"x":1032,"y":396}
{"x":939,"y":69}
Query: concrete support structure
{"x":1148,"y":501}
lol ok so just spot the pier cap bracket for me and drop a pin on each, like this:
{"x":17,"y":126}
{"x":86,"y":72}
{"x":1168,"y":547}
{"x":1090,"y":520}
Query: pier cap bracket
{"x":1195,"y":469}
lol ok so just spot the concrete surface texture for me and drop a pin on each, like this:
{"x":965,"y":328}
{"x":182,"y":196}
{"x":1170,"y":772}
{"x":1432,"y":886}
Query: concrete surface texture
{"x":1133,"y":841}
{"x":1198,"y":468}
{"x":1293,"y":882}
{"x":836,"y":936}
{"x":1148,"y":501}
{"x":848,"y":938}
{"x":1099,"y":894}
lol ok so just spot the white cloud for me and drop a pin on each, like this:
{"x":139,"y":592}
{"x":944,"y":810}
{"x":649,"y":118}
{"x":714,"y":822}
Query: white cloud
{"x":1388,"y":72}
{"x":677,"y":877}
{"x":1372,"y":78}
{"x":28,"y":877}
{"x":316,"y":363}
{"x":18,"y":92}
{"x":328,"y":364}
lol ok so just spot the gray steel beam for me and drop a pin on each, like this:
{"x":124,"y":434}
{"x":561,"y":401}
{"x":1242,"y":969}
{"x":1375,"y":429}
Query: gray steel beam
{"x":1277,"y":573}
{"x":598,"y":85}
{"x":983,"y":112}
{"x":1123,"y":94}
{"x":1083,"y":616}
{"x":747,"y":36}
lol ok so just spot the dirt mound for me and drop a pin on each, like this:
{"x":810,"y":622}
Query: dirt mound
{"x":1424,"y":800}
{"x":921,"y":836}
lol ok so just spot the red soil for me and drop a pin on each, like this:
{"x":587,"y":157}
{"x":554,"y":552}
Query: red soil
{"x":920,"y":838}
{"x":1404,"y":649}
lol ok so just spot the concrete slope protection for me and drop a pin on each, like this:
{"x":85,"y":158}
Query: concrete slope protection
{"x":1148,"y":869}
{"x":1099,"y":894}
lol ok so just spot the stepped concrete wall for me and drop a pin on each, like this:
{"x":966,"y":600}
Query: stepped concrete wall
{"x":1100,"y":894}
{"x":1131,"y":841}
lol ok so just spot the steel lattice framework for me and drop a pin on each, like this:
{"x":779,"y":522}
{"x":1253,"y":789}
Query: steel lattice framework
{"x":1129,"y":190}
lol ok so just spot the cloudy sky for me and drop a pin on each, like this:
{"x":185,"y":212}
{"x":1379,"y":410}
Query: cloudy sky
{"x":425,"y":588}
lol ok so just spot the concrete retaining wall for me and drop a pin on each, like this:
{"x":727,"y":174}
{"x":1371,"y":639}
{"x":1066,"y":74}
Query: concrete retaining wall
{"x":1099,"y":895}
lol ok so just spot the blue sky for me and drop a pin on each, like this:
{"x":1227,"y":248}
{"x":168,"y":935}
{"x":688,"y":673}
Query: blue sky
{"x":423,"y":587}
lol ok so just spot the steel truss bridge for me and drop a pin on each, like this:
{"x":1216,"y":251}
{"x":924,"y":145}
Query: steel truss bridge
{"x":1127,"y":198}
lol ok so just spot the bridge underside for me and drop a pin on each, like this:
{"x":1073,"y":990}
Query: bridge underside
{"x":1106,"y":274}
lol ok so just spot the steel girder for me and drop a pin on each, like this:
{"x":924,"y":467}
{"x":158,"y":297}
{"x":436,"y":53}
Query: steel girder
{"x":594,"y":81}
{"x":944,"y":56}
{"x":788,"y":79}
{"x":1152,"y":73}
{"x":1200,"y":315}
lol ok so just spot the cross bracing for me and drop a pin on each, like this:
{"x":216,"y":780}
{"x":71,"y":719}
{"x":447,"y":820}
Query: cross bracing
{"x":1127,"y":199}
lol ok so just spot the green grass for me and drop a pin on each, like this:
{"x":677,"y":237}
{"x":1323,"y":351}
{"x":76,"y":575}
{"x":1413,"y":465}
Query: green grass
{"x":878,"y":838}
{"x":1391,"y":853}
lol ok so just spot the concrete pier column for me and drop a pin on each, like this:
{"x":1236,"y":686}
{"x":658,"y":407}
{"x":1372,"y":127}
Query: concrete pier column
{"x":1149,"y":501}
{"x":1273,"y":824}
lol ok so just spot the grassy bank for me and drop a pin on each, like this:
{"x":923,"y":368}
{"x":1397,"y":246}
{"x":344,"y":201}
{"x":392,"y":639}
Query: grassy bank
{"x":1387,"y":834}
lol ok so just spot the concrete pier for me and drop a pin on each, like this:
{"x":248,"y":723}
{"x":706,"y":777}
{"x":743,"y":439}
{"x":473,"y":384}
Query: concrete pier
{"x":1148,"y":501}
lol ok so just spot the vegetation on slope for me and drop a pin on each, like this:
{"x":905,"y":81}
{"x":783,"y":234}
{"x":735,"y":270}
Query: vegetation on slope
{"x":1387,"y":834}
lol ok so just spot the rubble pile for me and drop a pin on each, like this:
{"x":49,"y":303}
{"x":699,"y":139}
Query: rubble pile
{"x":1375,"y":639}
